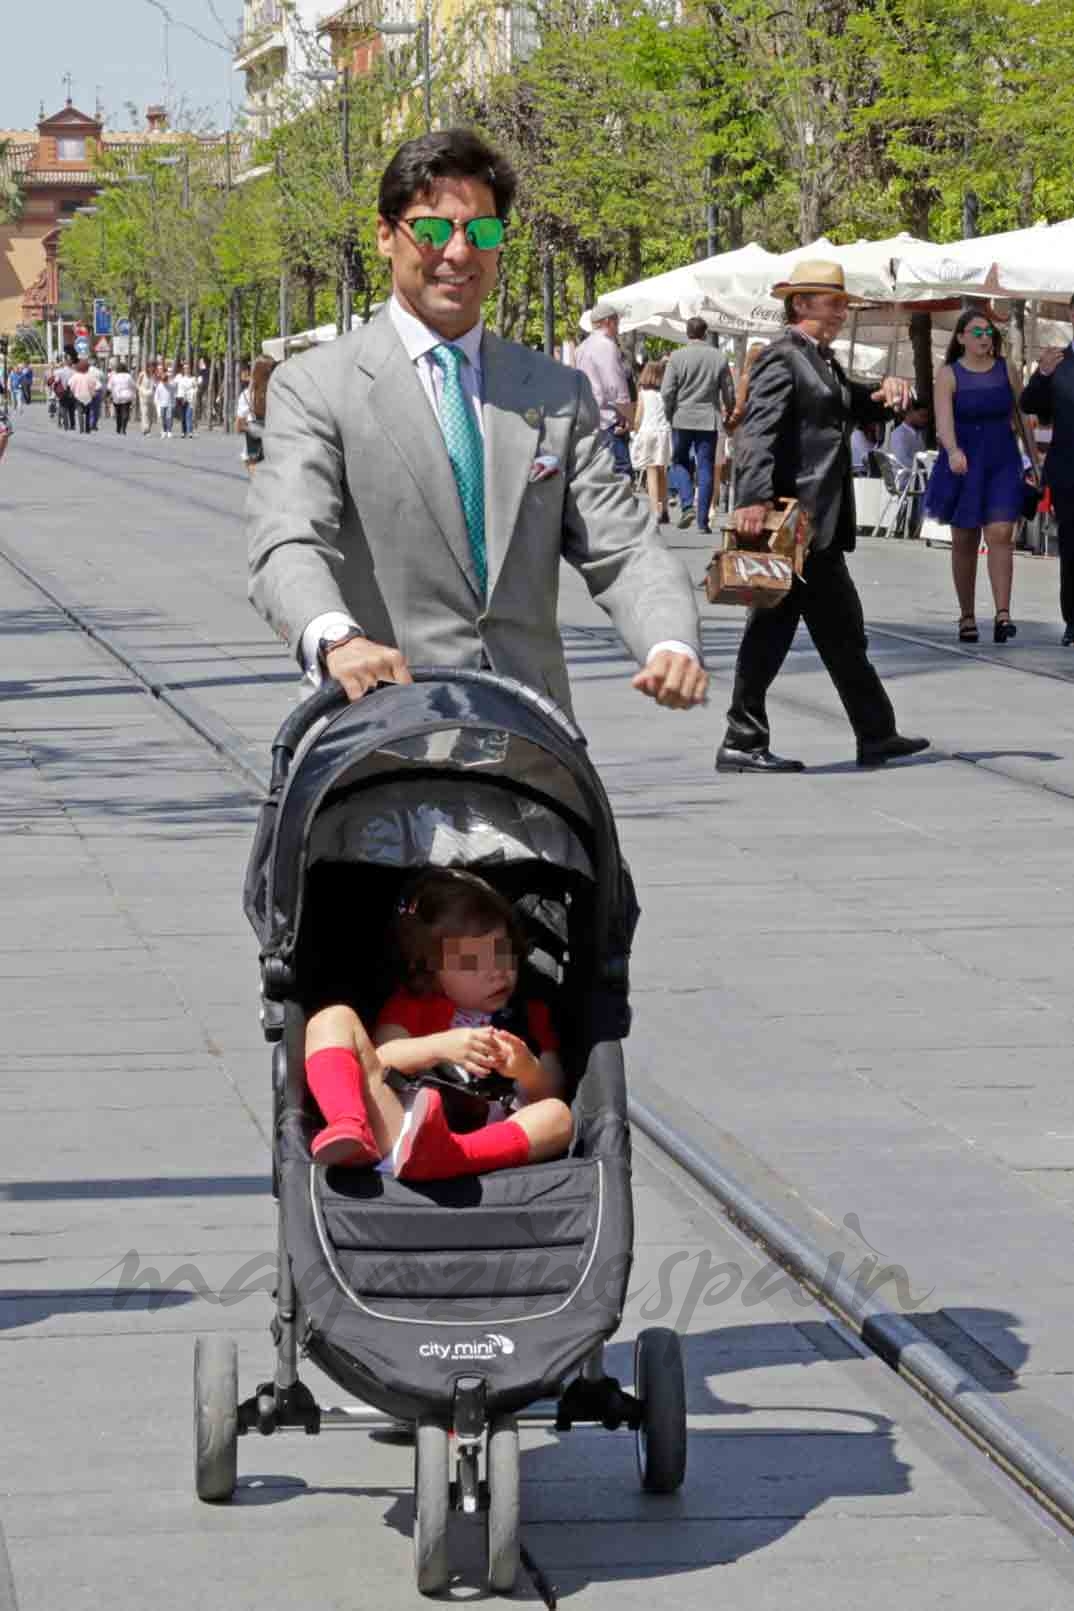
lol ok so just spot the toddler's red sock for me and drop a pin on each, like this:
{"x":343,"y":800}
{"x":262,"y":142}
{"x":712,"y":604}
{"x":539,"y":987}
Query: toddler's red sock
{"x":428,"y":1150}
{"x":334,"y":1075}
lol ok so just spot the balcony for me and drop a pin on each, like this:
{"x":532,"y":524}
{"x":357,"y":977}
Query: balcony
{"x":262,"y":34}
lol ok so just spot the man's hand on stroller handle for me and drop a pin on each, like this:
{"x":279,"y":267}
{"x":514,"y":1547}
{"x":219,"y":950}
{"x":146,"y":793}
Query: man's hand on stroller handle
{"x":360,"y":664}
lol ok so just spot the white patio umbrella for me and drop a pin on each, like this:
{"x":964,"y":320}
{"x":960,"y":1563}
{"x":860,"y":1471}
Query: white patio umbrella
{"x":1035,"y":264}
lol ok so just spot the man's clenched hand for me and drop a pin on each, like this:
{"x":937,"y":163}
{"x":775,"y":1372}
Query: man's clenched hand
{"x":675,"y":681}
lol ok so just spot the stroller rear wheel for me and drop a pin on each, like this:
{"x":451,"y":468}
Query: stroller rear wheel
{"x":432,"y":1499}
{"x":660,"y":1384}
{"x":502,"y":1520}
{"x":216,"y":1417}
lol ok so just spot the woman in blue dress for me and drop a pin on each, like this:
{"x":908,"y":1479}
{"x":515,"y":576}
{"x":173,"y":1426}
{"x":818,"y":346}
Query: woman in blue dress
{"x":976,"y":486}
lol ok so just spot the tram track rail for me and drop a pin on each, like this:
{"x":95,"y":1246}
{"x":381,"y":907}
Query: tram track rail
{"x":1043,"y":1474}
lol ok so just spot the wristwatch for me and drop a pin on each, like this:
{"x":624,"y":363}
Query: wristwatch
{"x":326,"y":644}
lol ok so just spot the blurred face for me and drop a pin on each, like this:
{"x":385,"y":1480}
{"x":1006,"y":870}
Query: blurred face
{"x":609,"y":326}
{"x":479,"y":972}
{"x":444,"y":287}
{"x":823,"y":313}
{"x":976,"y":337}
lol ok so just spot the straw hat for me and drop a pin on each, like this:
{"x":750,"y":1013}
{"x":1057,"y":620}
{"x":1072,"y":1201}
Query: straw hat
{"x":812,"y":276}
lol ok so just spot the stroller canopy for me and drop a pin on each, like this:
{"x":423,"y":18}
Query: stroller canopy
{"x":456,"y":770}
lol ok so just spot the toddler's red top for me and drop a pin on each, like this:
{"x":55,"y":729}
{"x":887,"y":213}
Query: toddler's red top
{"x":433,"y":1015}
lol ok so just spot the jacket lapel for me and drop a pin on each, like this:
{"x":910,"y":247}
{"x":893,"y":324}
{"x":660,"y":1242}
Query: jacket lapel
{"x":512,"y":432}
{"x":401,"y":409}
{"x":825,"y":370}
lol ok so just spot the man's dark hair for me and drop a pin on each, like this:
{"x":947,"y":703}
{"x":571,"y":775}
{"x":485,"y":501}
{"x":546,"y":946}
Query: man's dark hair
{"x":696,"y":329}
{"x":419,"y":165}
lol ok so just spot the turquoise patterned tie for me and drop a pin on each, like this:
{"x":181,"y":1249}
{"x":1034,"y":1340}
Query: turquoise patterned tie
{"x":466,"y":451}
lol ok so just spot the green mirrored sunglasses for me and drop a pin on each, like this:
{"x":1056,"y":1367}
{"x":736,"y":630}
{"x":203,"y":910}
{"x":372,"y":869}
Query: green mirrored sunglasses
{"x":981,"y":330}
{"x":484,"y":233}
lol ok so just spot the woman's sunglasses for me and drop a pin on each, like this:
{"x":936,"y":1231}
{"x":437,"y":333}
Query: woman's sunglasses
{"x":979,"y":330}
{"x":484,"y":233}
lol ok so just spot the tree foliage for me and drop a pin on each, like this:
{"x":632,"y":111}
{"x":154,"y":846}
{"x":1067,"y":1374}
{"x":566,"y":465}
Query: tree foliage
{"x":642,"y":132}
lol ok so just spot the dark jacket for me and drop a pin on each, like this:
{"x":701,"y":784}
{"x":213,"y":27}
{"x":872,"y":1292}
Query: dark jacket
{"x":697,"y":387}
{"x":794,"y":441}
{"x":1051,"y":399}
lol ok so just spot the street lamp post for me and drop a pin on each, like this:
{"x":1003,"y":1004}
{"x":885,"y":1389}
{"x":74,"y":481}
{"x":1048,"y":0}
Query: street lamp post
{"x":342,"y":76}
{"x":183,"y":162}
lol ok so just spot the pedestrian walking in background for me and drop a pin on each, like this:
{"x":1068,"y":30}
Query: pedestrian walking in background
{"x":64,"y":395}
{"x":93,"y":413}
{"x":794,"y":443}
{"x":650,"y":448}
{"x":976,"y":486}
{"x":27,"y":383}
{"x":5,"y":425}
{"x":84,"y":387}
{"x":147,"y":386}
{"x":256,"y":397}
{"x":123,"y":392}
{"x":15,"y":398}
{"x":697,"y":391}
{"x":602,"y":364}
{"x":186,"y":396}
{"x":202,"y":399}
{"x":1050,"y":396}
{"x":164,"y":399}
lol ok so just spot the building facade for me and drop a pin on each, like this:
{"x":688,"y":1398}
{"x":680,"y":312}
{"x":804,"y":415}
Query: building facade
{"x":53,"y":170}
{"x":277,"y":48}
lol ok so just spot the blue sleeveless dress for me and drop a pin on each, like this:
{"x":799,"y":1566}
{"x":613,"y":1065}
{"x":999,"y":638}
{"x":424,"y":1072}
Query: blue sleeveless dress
{"x":991,"y":489}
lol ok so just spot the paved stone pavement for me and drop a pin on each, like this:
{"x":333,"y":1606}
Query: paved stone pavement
{"x":853,"y":986}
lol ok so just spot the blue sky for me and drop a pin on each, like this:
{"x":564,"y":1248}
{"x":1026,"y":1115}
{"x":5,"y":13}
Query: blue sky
{"x":116,"y":50}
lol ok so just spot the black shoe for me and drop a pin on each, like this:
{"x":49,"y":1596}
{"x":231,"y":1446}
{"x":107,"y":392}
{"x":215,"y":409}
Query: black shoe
{"x":1003,"y":627}
{"x":686,"y":518}
{"x":729,"y":759}
{"x":875,"y":752}
{"x":1068,"y":636}
{"x":706,"y":531}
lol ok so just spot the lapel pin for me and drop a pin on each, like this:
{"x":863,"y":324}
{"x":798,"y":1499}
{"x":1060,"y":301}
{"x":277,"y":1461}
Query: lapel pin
{"x":532,"y":417}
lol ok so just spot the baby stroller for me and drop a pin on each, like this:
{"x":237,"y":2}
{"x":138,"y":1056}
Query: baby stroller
{"x":453,"y":1306}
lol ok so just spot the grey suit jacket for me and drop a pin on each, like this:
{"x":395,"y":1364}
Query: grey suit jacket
{"x":695,"y":380}
{"x":355,"y":508}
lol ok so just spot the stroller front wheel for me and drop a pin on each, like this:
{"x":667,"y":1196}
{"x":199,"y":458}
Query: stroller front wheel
{"x":660,"y":1383}
{"x":216,"y":1417}
{"x":502,"y":1471}
{"x":432,"y":1498}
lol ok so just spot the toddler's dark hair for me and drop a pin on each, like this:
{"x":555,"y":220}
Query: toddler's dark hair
{"x":446,"y":902}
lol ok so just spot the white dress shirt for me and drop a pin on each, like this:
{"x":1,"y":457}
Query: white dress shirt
{"x":418,"y":342}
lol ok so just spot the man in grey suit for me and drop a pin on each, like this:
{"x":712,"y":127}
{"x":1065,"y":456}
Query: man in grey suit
{"x":697,"y":389}
{"x":422,"y":478}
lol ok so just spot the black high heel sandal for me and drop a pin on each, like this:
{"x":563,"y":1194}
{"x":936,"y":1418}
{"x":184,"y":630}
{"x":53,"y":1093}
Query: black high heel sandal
{"x":1002,"y":630}
{"x":967,"y":630}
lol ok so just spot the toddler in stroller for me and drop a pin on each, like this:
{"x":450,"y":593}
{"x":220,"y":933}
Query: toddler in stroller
{"x":459,"y":944}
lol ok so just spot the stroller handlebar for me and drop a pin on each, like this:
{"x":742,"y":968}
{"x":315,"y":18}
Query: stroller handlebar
{"x":331,"y":696}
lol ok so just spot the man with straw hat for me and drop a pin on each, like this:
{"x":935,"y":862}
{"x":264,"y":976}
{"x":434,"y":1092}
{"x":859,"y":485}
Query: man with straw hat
{"x":794,"y":442}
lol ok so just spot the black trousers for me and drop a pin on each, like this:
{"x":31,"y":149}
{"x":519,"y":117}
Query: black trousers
{"x":1063,"y":504}
{"x":827,"y":601}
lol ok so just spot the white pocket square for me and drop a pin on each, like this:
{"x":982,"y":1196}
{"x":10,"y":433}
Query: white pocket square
{"x":544,"y":466}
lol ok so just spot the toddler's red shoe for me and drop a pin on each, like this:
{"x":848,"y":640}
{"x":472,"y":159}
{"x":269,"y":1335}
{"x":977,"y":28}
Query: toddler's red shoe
{"x":426,"y":1148}
{"x":347,"y":1144}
